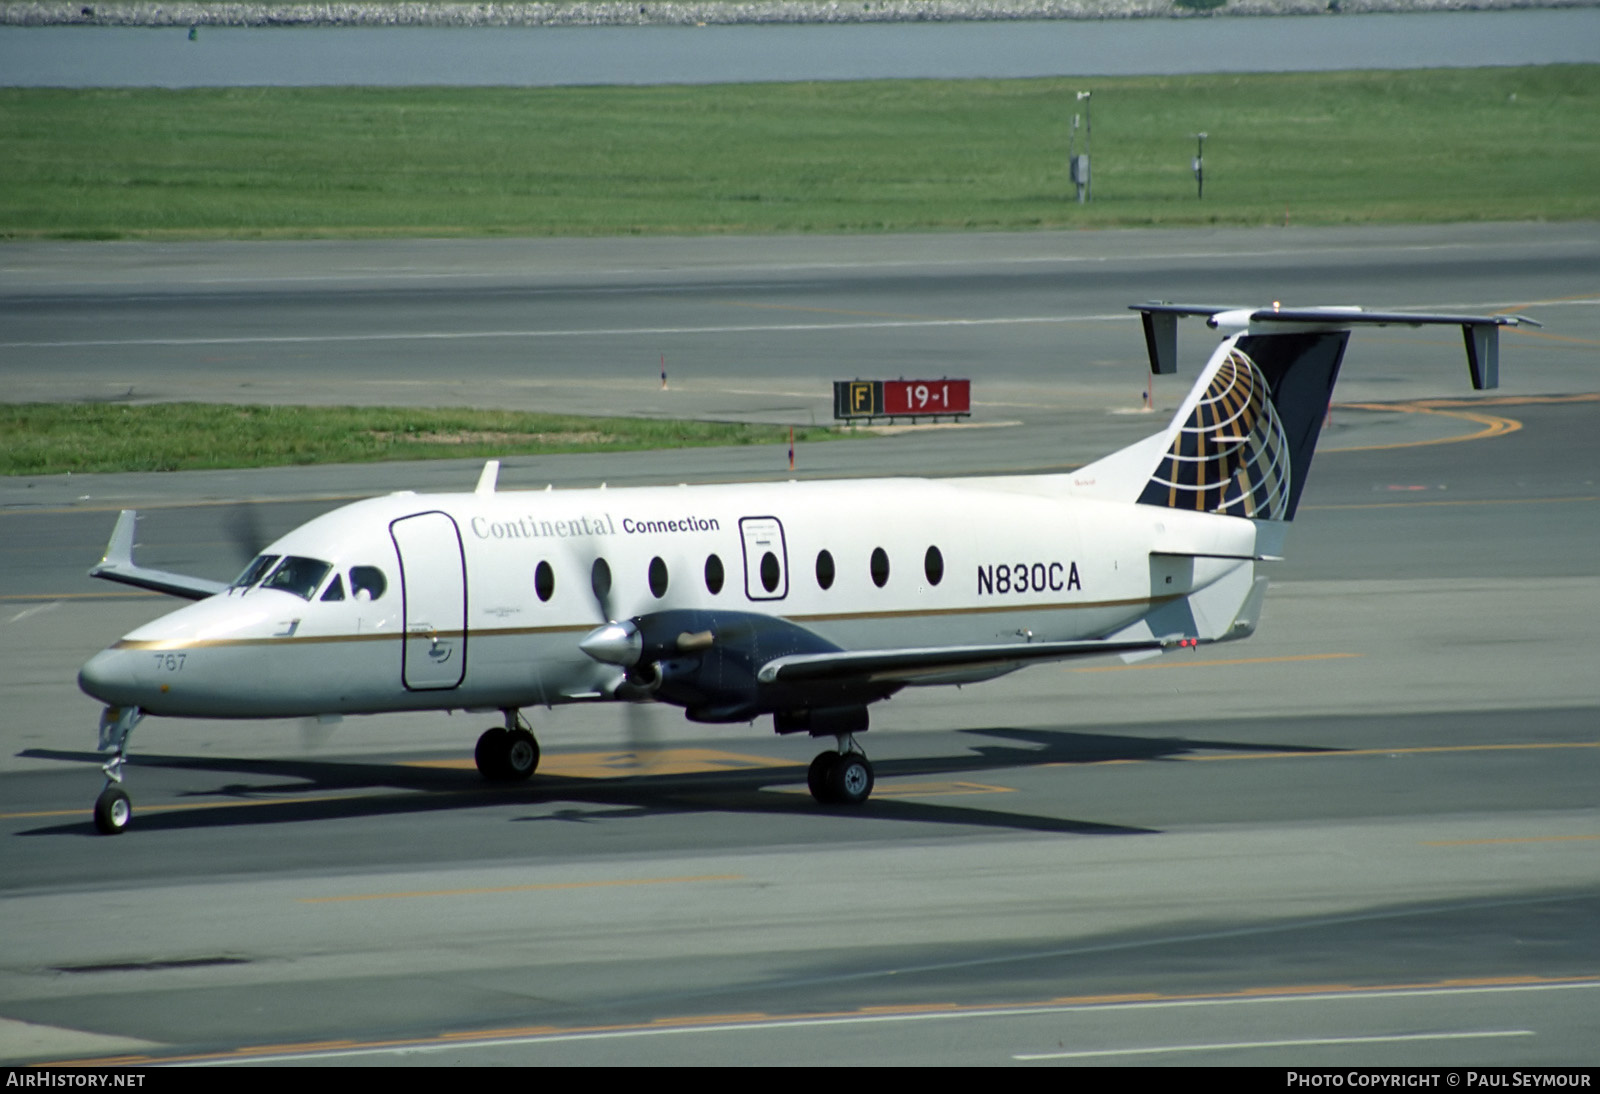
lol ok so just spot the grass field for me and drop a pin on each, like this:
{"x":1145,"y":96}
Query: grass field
{"x":50,"y":438}
{"x":1504,"y":143}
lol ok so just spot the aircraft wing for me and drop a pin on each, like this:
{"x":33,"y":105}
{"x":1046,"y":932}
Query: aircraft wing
{"x":118,"y":566}
{"x":909,"y":665}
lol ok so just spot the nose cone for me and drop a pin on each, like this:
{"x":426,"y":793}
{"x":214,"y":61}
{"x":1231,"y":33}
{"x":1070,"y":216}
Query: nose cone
{"x":614,"y":644}
{"x":112,"y":677}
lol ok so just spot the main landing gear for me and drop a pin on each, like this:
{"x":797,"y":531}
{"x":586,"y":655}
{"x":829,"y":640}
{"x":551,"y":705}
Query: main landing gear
{"x":507,"y":754}
{"x":843,"y":777}
{"x":112,"y":809}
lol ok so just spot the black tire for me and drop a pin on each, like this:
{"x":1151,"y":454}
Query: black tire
{"x":818,"y":777}
{"x":850,"y":780}
{"x":521,"y":755}
{"x":491,"y":755}
{"x":112,"y":811}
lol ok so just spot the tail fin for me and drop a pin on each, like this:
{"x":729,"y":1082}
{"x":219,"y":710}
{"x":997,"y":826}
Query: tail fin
{"x":1243,"y":439}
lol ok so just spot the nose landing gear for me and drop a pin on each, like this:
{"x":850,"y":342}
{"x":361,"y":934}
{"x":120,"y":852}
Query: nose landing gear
{"x":112,"y":809}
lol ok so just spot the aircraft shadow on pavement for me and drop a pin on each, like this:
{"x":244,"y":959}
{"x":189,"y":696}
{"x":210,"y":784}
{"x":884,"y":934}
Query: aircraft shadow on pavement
{"x":286,"y":791}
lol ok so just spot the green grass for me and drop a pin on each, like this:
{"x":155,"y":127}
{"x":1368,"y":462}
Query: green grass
{"x":50,"y":438}
{"x":1504,"y":143}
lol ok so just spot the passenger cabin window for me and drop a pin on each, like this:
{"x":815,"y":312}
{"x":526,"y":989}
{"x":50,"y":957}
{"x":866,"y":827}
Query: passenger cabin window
{"x":600,"y":579}
{"x":933,"y":566}
{"x":300,"y":576}
{"x":771,"y":572}
{"x":544,"y":581}
{"x":335,"y":590}
{"x":825,"y":569}
{"x":714,"y":575}
{"x":880,"y":567}
{"x":658,"y":578}
{"x":367,"y":582}
{"x":255,"y":571}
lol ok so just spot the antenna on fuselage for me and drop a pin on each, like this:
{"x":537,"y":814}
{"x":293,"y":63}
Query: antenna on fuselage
{"x":486,"y":481}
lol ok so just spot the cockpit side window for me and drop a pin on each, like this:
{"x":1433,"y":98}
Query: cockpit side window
{"x":300,"y":576}
{"x":255,"y":571}
{"x":335,"y":590}
{"x":367,"y":582}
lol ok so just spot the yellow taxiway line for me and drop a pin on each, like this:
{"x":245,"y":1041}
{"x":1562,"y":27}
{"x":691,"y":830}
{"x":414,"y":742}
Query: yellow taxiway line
{"x":546,"y":887}
{"x":869,"y":1014}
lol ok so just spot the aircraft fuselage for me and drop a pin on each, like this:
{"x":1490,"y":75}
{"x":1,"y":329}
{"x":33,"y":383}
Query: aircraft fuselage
{"x":486,"y":595}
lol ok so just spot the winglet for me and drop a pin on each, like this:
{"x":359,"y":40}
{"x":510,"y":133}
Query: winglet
{"x":486,"y":481}
{"x":1483,"y":348}
{"x":1160,"y":320}
{"x":1161,"y":341}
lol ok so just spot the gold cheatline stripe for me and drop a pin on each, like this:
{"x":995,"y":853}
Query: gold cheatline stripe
{"x":163,"y":644}
{"x":394,"y":636}
{"x":1017,"y":607}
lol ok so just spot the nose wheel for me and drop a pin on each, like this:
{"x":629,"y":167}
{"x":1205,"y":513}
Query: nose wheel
{"x":112,"y":811}
{"x":509,"y":753}
{"x":841,"y":778}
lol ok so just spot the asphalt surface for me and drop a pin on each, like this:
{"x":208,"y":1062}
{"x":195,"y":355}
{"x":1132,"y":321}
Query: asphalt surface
{"x":1367,"y":836}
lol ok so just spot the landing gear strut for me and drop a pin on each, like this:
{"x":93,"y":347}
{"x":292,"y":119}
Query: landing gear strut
{"x":843,"y":777}
{"x":112,"y":809}
{"x":507,"y":754}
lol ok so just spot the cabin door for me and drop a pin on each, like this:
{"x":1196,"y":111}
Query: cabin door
{"x":433,"y":583}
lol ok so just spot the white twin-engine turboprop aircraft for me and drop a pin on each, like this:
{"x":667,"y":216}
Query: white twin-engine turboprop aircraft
{"x":808,"y":601}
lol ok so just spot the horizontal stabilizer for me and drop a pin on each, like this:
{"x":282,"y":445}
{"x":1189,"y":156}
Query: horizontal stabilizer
{"x":1216,"y":554}
{"x":118,"y":566}
{"x":1480,"y":332}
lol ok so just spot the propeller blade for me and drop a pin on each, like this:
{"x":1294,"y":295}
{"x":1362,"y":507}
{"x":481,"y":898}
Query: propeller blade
{"x":600,"y":585}
{"x":243,"y":527}
{"x":644,"y":739}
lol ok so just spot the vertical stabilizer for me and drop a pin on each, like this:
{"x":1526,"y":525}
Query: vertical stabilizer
{"x":1242,"y":442}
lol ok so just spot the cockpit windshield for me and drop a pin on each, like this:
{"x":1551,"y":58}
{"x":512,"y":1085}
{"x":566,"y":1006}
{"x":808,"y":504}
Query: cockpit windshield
{"x":255,"y":571}
{"x":300,"y":576}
